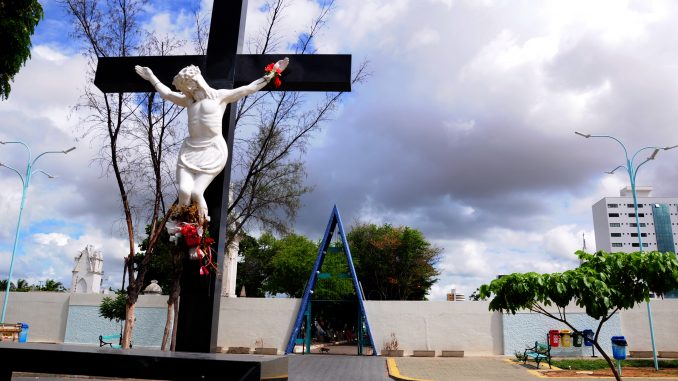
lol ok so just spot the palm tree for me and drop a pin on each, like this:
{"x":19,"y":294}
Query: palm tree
{"x":23,"y":286}
{"x":54,"y":286}
{"x":3,"y":285}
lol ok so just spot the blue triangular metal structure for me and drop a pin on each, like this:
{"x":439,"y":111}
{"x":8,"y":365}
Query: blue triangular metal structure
{"x":304,"y":310}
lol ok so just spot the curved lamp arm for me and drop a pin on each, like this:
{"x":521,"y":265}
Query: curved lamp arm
{"x":44,"y":153}
{"x":605,"y":136}
{"x":44,"y":173}
{"x":15,"y":171}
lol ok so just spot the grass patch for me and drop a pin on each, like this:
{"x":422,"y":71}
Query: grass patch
{"x":584,"y":364}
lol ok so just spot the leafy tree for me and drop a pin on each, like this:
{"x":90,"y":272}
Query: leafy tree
{"x":603,"y":284}
{"x":53,"y":286}
{"x":255,"y":267}
{"x":23,"y":286}
{"x":393,"y":263}
{"x":291,"y":265}
{"x":161,"y":266}
{"x":272,"y":266}
{"x":3,"y":285}
{"x":339,"y":285}
{"x":18,"y":19}
{"x":114,"y":308}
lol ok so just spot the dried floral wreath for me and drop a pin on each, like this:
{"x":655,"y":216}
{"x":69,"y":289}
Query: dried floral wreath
{"x":188,"y":230}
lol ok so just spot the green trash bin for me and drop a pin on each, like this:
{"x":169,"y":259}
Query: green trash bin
{"x":577,"y":339}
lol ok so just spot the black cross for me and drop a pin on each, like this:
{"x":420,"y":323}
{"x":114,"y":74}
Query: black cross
{"x":222,"y":68}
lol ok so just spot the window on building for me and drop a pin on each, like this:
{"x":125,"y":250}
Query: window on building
{"x":636,"y":234}
{"x":613,"y":214}
{"x":615,"y":225}
{"x":615,"y":234}
{"x":634,"y":225}
{"x":616,"y":244}
{"x":635,"y":244}
{"x":612,"y":205}
{"x":639,"y":214}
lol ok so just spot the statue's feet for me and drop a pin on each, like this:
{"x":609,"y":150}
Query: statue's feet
{"x":203,"y":214}
{"x":193,"y":253}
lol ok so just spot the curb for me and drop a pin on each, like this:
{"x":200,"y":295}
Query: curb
{"x":394,"y":372}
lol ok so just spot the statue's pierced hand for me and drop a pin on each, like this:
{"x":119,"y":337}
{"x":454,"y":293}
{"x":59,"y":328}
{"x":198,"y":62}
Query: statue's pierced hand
{"x":282,"y":64}
{"x":144,"y":72}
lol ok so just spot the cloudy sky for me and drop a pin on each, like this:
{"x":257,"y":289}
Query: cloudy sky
{"x":464,"y":130}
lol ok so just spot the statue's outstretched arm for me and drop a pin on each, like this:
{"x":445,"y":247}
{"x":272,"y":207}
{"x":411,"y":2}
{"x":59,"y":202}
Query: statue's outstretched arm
{"x":164,"y":91}
{"x":229,"y":96}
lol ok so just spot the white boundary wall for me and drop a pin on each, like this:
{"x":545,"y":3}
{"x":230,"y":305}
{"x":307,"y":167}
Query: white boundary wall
{"x":439,"y":325}
{"x":436,"y":325}
{"x":636,"y":326}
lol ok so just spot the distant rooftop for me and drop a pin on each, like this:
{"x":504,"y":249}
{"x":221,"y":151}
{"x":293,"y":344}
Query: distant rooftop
{"x":640,"y":191}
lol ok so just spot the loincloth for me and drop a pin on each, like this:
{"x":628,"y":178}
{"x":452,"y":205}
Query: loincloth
{"x":203,"y":155}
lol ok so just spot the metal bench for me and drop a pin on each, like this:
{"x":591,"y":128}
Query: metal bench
{"x":136,"y":363}
{"x":539,"y":352}
{"x":110,"y":340}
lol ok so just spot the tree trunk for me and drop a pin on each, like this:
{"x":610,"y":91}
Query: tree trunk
{"x":129,"y":325}
{"x":609,"y":361}
{"x":168,"y":324}
{"x":176,"y":324}
{"x":173,"y":299}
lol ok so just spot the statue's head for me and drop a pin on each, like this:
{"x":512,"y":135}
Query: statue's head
{"x":189,"y":79}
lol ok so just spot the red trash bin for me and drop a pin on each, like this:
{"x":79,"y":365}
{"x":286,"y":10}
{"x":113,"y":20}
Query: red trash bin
{"x":554,"y":337}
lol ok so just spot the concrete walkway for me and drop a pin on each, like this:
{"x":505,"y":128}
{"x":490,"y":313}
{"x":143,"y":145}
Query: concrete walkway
{"x":373,"y":368}
{"x":477,"y":369}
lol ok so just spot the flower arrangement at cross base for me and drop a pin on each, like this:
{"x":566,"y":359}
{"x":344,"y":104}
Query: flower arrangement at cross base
{"x":188,"y":230}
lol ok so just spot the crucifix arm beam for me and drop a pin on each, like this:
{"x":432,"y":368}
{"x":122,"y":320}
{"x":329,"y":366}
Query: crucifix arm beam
{"x":306,"y":72}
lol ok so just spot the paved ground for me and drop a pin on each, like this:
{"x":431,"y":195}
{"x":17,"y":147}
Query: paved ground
{"x":335,"y":368}
{"x":372,"y":368}
{"x":476,"y":369}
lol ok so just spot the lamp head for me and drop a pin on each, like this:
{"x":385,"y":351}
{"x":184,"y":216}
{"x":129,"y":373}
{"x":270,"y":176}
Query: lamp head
{"x":68,"y":150}
{"x":583,"y":135}
{"x":654,"y":154}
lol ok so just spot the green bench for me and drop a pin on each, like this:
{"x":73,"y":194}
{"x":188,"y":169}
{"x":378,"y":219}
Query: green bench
{"x":110,"y":340}
{"x":539,"y":352}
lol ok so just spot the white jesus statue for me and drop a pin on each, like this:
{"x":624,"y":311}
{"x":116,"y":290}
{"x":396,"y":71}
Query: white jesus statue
{"x":204,"y":152}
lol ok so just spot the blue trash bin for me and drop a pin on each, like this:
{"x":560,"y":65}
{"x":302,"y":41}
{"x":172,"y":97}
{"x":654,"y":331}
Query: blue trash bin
{"x":23,"y":335}
{"x":619,"y":345}
{"x":588,"y":337}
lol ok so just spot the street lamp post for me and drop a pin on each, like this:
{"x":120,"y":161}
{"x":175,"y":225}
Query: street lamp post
{"x":25,"y":180}
{"x":632,"y":172}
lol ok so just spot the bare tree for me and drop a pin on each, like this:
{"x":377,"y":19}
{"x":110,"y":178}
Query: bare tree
{"x":136,"y":132}
{"x":268,"y":176}
{"x":138,"y":139}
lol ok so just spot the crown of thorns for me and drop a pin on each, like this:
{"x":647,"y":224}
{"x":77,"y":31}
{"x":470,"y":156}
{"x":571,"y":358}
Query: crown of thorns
{"x":189,"y":72}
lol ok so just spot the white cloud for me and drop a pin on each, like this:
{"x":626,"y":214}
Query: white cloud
{"x":467,"y":137}
{"x":57,"y":239}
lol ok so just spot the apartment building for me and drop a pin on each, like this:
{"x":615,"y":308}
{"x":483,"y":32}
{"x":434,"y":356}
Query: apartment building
{"x":614,"y":222}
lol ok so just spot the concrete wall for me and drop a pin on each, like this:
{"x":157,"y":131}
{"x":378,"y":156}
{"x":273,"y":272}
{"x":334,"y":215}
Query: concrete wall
{"x":44,"y":312}
{"x":636,"y":326}
{"x":467,"y":326}
{"x":243,"y":321}
{"x":439,"y":325}
{"x":524,"y":328}
{"x":84,"y":325}
{"x":417,"y":325}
